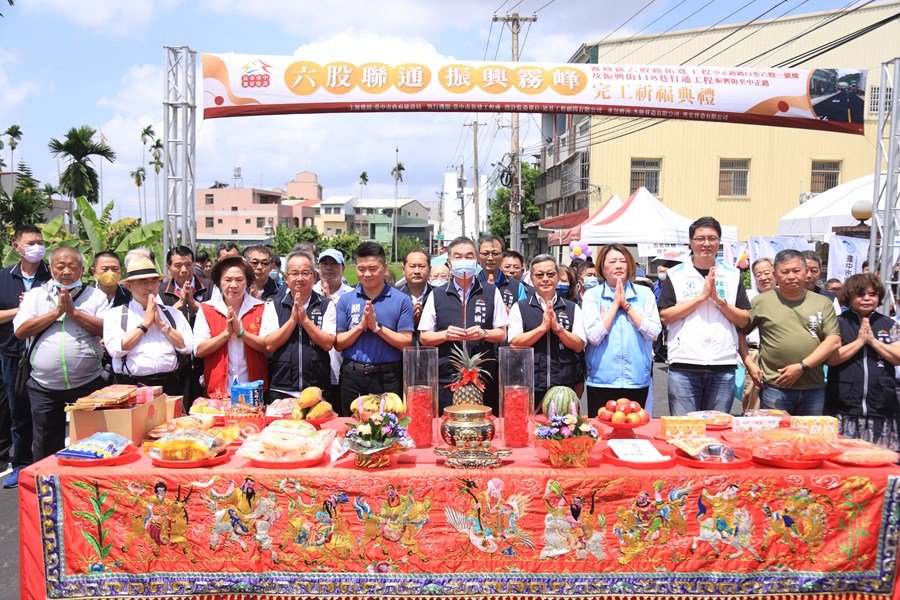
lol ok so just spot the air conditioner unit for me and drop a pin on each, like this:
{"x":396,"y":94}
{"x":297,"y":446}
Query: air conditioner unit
{"x":807,"y":196}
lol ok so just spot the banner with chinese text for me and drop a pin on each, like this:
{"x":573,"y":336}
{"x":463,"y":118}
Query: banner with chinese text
{"x":822,"y":99}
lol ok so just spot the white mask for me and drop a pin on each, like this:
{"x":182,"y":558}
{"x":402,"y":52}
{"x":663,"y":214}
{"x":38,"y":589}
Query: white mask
{"x":464,"y":267}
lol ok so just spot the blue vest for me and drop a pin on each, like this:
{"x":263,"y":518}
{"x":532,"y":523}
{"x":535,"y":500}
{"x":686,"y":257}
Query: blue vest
{"x":554,"y":364}
{"x":479,"y":313}
{"x":284,"y":363}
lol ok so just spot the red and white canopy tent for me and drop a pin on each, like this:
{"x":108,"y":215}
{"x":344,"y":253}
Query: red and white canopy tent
{"x":643,"y":219}
{"x":569,"y":234}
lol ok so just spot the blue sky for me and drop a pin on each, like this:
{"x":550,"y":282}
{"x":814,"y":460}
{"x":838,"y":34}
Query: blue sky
{"x":66,"y":63}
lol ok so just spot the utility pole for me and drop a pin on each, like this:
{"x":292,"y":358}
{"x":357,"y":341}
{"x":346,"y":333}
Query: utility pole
{"x":396,"y":195}
{"x":476,"y":194}
{"x":515,"y":196}
{"x":440,"y":235}
{"x":461,"y":196}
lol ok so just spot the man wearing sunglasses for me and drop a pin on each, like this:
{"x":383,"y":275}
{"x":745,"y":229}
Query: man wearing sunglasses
{"x":260,"y":258}
{"x":798,"y":332}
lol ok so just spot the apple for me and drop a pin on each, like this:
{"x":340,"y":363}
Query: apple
{"x":633,"y":418}
{"x":634,"y":407}
{"x":644,"y":415}
{"x":604,"y":415}
{"x":622,"y":405}
{"x":618,"y":417}
{"x":611,"y":406}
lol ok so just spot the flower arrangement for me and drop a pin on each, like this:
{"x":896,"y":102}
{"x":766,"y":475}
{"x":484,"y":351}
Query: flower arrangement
{"x":376,"y":436}
{"x":567,"y":438}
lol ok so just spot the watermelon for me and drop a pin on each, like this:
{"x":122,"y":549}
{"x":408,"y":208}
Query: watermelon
{"x":560,"y":397}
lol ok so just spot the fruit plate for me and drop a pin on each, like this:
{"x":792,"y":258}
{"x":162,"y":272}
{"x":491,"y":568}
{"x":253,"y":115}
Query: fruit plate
{"x":290,"y":464}
{"x":783,"y":463}
{"x":855,"y":463}
{"x":610,"y":457}
{"x":128,"y":455}
{"x":317,"y":423}
{"x":191,"y":464}
{"x":620,"y":431}
{"x":684,"y":459}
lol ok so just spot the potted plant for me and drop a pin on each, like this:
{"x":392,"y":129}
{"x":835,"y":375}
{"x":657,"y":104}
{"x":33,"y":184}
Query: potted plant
{"x":567,"y":438}
{"x":376,"y":436}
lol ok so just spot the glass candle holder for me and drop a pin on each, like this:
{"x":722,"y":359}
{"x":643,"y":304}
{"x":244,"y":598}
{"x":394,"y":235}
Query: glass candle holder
{"x":420,"y":389}
{"x":516,"y":395}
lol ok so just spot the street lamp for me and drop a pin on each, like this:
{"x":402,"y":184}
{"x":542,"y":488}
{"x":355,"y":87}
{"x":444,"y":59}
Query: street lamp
{"x":861,"y":210}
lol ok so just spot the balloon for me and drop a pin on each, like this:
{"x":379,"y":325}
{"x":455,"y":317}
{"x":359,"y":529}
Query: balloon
{"x":588,"y":252}
{"x":572,"y":255}
{"x":584,"y":245}
{"x":573,"y":244}
{"x":577,"y":250}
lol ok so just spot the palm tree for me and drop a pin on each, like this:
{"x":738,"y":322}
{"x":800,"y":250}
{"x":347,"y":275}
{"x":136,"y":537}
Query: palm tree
{"x":157,"y":165}
{"x":79,"y":178}
{"x":363,"y":180}
{"x":397,"y":174}
{"x":139,"y":176}
{"x":147,"y":134}
{"x":15,"y":134}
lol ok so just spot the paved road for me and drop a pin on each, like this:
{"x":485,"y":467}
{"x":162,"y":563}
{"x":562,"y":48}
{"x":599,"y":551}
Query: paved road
{"x":9,"y":509}
{"x":837,"y":106}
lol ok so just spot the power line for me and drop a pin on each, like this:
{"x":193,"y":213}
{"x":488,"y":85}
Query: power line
{"x":666,"y":31}
{"x":652,"y":23}
{"x":735,"y":32}
{"x":811,"y":54}
{"x":487,"y":44}
{"x":499,"y":39}
{"x":626,"y":22}
{"x":552,"y":1}
{"x":702,"y":32}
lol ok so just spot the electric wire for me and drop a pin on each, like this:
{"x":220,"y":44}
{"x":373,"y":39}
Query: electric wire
{"x":626,"y":22}
{"x":487,"y":44}
{"x":651,"y":23}
{"x":735,"y":32}
{"x":702,"y":32}
{"x":552,"y":1}
{"x":665,"y":32}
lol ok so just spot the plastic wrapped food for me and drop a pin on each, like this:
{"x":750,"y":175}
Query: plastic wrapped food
{"x":187,"y":422}
{"x":186,"y":445}
{"x":712,"y":417}
{"x":100,"y":445}
{"x":790,"y":444}
{"x":281,"y":407}
{"x":285,"y":444}
{"x":210,"y":406}
{"x":784,"y":418}
{"x":863,"y":453}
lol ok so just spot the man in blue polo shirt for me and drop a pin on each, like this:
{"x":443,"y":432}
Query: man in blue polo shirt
{"x":490,"y":253}
{"x":29,"y":272}
{"x":374,"y":324}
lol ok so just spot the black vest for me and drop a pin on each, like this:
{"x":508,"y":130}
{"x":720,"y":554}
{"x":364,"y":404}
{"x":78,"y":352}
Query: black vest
{"x":284,"y":363}
{"x":508,"y":288}
{"x":479,"y":313}
{"x":554,"y":364}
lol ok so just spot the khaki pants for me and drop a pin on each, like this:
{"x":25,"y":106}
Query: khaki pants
{"x":750,"y":398}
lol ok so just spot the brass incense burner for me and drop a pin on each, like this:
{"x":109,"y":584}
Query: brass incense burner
{"x":469,"y":430}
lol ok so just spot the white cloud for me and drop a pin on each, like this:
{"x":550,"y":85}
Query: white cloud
{"x":111,"y":16}
{"x":13,"y":89}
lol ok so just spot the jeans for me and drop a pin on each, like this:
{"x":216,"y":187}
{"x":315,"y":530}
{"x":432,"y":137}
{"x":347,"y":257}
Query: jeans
{"x":700,"y":389}
{"x":809,"y":403}
{"x":20,"y":413}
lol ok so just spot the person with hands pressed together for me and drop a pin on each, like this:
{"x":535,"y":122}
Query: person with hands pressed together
{"x":702,"y":302}
{"x":490,"y":252}
{"x":798,"y":332}
{"x":417,"y":270}
{"x":298,"y":328}
{"x":553,"y":326}
{"x":622,"y":323}
{"x":145,"y":337}
{"x":227,"y":331}
{"x":481,"y":327}
{"x":260,"y":258}
{"x":184,"y":290}
{"x":374,"y":324}
{"x":764,"y":275}
{"x":861,"y":390}
{"x":331,"y":286}
{"x":62,"y":318}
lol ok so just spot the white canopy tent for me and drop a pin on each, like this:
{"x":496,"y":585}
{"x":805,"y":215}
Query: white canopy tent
{"x":816,"y":218}
{"x":643,"y":219}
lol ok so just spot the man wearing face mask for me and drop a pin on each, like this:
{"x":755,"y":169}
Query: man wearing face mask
{"x":15,"y":413}
{"x":63,"y":319}
{"x":480,"y":329}
{"x":107,"y":272}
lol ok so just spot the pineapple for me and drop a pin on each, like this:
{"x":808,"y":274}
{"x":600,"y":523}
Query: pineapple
{"x":469,"y":385}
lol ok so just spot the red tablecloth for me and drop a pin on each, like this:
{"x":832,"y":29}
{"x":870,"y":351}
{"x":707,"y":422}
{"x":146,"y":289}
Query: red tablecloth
{"x":420,"y":529}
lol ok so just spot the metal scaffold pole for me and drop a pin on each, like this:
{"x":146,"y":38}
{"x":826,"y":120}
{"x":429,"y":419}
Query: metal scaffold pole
{"x":179,"y":143}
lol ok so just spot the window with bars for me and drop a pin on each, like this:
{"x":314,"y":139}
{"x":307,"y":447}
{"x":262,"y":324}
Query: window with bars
{"x":826,"y":174}
{"x":209,"y":222}
{"x":211,"y":200}
{"x":645,"y":172}
{"x":260,"y":221}
{"x":875,"y":98}
{"x":734,"y":175}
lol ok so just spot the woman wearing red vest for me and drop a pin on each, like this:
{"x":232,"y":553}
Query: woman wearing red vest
{"x":227,"y":331}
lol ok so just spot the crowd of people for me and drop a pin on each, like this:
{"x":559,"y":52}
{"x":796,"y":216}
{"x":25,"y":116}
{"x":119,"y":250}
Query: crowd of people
{"x":205,"y":325}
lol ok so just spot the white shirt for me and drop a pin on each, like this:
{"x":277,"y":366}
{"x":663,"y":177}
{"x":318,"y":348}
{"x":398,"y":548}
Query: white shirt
{"x":428,"y":320}
{"x":67,"y":355}
{"x":334,"y":355}
{"x":515,"y":320}
{"x":153,"y":354}
{"x":237,"y":365}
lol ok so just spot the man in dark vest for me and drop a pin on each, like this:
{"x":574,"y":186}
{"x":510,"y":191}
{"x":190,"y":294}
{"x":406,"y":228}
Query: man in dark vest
{"x":417,"y":271}
{"x":466,"y":311}
{"x":299,"y":329}
{"x":490,"y":253}
{"x":553,"y":327}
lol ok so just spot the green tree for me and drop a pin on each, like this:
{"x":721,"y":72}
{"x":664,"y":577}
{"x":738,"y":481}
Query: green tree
{"x":345,"y":242}
{"x":156,"y":149}
{"x":363,"y":180}
{"x":147,"y":135}
{"x":139,"y":176}
{"x":498,"y":220}
{"x":406,"y":243}
{"x":284,"y":240}
{"x":14,"y":133}
{"x":79,"y":178}
{"x":26,"y":206}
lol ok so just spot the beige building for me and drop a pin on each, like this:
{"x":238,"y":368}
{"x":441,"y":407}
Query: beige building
{"x":744,"y":175}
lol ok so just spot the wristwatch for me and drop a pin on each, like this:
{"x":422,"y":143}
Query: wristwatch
{"x":142,"y":327}
{"x":804,"y":366}
{"x":377,"y":327}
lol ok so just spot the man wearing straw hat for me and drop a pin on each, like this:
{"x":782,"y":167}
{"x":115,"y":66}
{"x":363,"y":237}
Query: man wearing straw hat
{"x":145,"y":337}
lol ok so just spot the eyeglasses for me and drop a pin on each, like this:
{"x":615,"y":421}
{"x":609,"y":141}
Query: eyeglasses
{"x":547,"y":275}
{"x":704,"y":240}
{"x":303,"y":274}
{"x":869,"y":293}
{"x":257,"y":263}
{"x":491,"y":253}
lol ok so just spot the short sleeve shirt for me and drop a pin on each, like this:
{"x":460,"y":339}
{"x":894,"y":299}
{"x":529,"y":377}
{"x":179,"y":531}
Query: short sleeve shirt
{"x":393,"y":309}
